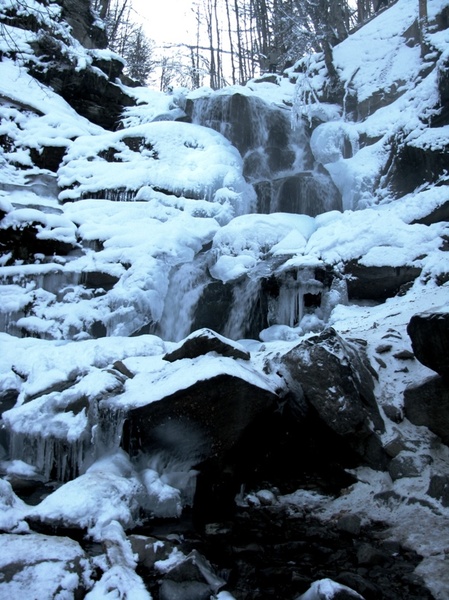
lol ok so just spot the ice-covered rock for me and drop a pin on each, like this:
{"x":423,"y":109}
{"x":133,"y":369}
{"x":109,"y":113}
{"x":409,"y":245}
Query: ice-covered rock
{"x":48,"y":566}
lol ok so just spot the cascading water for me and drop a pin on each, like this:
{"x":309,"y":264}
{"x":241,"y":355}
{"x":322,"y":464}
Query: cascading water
{"x":51,"y":457}
{"x":246,"y":296}
{"x":187,"y":283}
{"x":107,"y":433}
{"x":279,"y":163}
{"x":261,"y":132}
{"x":277,"y":158}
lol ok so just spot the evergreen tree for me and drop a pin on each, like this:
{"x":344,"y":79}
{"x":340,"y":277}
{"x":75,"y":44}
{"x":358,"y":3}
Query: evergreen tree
{"x":139,"y":56}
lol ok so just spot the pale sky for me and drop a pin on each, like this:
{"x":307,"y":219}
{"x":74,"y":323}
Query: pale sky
{"x":166,"y":21}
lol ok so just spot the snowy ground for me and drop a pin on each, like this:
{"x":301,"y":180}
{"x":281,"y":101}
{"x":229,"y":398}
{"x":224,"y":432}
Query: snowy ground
{"x":207,"y":203}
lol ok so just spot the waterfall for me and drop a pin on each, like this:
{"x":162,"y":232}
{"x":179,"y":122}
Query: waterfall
{"x":261,"y":132}
{"x":288,"y":309}
{"x":246,"y":295}
{"x":64,"y":459}
{"x":50,"y":277}
{"x":107,"y":433}
{"x":186,"y":286}
{"x":277,"y":158}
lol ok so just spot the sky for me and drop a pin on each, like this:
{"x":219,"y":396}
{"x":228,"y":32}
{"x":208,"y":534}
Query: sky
{"x":167,"y":22}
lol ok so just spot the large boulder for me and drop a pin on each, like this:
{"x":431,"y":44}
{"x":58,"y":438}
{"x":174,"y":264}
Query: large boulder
{"x":429,"y":333}
{"x":205,"y":420}
{"x":337,"y":384}
{"x":204,"y":341}
{"x":43,"y":566}
{"x":204,"y":425}
{"x":428,"y":404}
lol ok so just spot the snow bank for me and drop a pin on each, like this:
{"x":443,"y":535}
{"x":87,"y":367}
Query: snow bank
{"x":180,"y":158}
{"x":246,"y":240}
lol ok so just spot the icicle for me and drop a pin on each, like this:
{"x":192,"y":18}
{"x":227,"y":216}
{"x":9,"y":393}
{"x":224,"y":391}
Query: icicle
{"x":53,"y":458}
{"x":288,"y":307}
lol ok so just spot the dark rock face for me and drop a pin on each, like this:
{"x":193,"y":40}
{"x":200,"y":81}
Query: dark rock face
{"x":204,"y":341}
{"x":338,"y":385}
{"x":93,"y":96}
{"x":441,"y":213}
{"x":92,"y":92}
{"x":439,"y":488}
{"x":428,"y":404}
{"x":213,"y":308}
{"x":203,"y":421}
{"x":377,"y":283}
{"x":78,"y":15}
{"x":23,"y":243}
{"x":412,"y":166}
{"x":429,"y":333}
{"x":308,"y":193}
{"x":48,"y":157}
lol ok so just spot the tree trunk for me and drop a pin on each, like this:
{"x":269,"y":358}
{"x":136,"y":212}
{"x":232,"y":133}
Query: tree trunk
{"x":239,"y":42}
{"x":103,"y":6}
{"x":423,"y":22}
{"x":231,"y":43}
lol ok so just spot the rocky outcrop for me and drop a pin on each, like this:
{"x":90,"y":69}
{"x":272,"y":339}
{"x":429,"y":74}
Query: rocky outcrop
{"x":84,"y":27}
{"x":429,"y":333}
{"x":23,"y":241}
{"x":337,"y":384}
{"x":88,"y":83}
{"x":413,"y":166}
{"x":377,"y":283}
{"x":93,"y":93}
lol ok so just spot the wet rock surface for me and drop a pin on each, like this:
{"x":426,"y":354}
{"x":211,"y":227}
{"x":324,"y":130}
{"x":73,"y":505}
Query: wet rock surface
{"x":278,"y":551}
{"x":428,"y":404}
